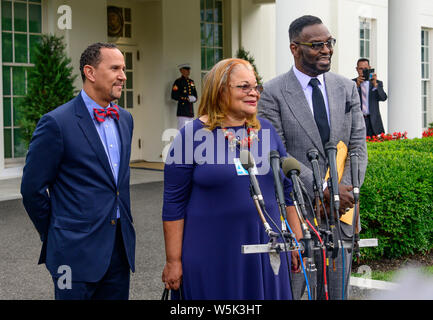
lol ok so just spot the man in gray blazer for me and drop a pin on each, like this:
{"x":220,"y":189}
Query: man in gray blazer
{"x":309,"y":113}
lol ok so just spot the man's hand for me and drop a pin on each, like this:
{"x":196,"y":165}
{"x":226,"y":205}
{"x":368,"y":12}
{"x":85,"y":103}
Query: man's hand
{"x":359,"y":80}
{"x":346,"y":198}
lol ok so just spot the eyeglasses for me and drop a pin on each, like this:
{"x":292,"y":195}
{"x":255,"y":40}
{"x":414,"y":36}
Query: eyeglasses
{"x":319,"y":45}
{"x":246,"y":88}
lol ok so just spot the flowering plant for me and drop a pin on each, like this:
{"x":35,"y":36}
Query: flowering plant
{"x":387,"y":137}
{"x":427,"y":133}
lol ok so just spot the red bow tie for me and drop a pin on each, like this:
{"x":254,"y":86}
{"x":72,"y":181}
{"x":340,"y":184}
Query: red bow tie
{"x":101,"y":114}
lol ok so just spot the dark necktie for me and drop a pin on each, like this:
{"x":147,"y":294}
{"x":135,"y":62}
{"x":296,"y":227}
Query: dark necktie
{"x":101,"y":114}
{"x":320,"y":111}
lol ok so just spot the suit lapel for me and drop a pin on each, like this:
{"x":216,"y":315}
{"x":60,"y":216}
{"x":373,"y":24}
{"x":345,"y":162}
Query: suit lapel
{"x":298,"y":104}
{"x":122,"y":126}
{"x":336,"y":103}
{"x":88,"y":127}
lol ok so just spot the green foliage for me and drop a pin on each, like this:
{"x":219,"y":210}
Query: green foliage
{"x":430,"y":125}
{"x":243,"y":54}
{"x":49,"y":85}
{"x":397,"y":198}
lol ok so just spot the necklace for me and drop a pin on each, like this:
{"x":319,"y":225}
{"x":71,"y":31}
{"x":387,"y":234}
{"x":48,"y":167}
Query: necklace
{"x":236,"y":142}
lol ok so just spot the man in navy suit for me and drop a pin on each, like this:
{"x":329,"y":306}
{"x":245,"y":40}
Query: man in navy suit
{"x":75,"y":184}
{"x":370,"y":93}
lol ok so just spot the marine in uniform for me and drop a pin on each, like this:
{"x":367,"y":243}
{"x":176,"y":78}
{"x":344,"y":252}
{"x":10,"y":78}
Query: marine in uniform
{"x":185,"y":93}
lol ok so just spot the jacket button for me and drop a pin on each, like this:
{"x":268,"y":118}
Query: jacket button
{"x":113,"y":222}
{"x":117,"y":193}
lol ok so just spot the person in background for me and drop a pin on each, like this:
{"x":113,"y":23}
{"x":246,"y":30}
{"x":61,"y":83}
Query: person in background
{"x":185,"y":93}
{"x":370,"y":93}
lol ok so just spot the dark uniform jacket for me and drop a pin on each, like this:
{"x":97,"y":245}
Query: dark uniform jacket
{"x":182,"y":88}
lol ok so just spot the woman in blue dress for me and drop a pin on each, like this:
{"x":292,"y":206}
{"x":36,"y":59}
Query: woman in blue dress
{"x":208,"y":212}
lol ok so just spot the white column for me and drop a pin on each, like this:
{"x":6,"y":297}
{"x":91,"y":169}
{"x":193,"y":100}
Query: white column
{"x":288,"y":10}
{"x":404,"y":67}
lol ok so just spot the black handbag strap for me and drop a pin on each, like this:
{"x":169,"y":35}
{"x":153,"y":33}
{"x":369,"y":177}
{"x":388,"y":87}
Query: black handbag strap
{"x":166,"y":292}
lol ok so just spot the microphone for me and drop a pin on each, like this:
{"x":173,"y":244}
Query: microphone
{"x":354,"y":166}
{"x":313,"y":156}
{"x":247,"y":162}
{"x":274,"y":159}
{"x":291,"y":169}
{"x":331,"y":153}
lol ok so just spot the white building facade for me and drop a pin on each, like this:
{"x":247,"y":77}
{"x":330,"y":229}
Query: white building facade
{"x":157,"y":35}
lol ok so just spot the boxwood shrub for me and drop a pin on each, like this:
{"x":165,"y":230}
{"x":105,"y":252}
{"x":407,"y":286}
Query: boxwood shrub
{"x":396,"y":203}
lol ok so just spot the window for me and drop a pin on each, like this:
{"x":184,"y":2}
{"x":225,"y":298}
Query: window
{"x":127,"y":98}
{"x":119,"y":22}
{"x":21,"y":23}
{"x":211,"y":30}
{"x":364,"y":37}
{"x":425,"y":75}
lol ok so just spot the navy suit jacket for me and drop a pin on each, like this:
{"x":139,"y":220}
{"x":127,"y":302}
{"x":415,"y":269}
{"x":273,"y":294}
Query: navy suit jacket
{"x":70,"y":193}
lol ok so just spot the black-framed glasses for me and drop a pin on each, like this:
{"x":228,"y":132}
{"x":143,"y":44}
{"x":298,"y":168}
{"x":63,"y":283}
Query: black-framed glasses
{"x":246,"y":88}
{"x":319,"y":45}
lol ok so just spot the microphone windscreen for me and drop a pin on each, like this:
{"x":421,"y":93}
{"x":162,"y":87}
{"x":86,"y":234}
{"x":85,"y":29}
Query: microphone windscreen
{"x":290,"y":164}
{"x":330,"y":145}
{"x":313,"y":154}
{"x":246,"y":159}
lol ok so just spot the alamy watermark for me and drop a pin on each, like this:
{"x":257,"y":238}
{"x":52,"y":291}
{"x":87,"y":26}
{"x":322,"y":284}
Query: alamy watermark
{"x":205,"y":147}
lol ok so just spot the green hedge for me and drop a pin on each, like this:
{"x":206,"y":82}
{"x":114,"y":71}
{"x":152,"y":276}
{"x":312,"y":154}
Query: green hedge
{"x":397,"y":198}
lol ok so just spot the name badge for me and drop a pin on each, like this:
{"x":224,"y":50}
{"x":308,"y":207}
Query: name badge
{"x":240,"y":169}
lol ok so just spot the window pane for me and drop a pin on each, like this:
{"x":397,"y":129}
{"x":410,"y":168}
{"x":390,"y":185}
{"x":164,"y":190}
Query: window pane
{"x":6,"y":15}
{"x":129,"y":99}
{"x":361,"y":34}
{"x":127,"y":15}
{"x":20,"y":48}
{"x":201,"y":10}
{"x":218,"y":55}
{"x":361,"y":49}
{"x":202,"y":35}
{"x":367,"y":34}
{"x":6,"y":81}
{"x":209,"y":10}
{"x":422,"y":37}
{"x":35,"y":18}
{"x":209,"y":34}
{"x":128,"y":31}
{"x":203,"y":59}
{"x":7,"y":112}
{"x":19,"y":146}
{"x":121,"y":100}
{"x":17,"y":107}
{"x":129,"y":80}
{"x":20,"y":16}
{"x":128,"y":60}
{"x":218,"y":36}
{"x":19,"y":81}
{"x":7,"y":47}
{"x":33,"y":41}
{"x":209,"y":58}
{"x":218,"y":11}
{"x":8,"y":143}
{"x":367,"y":49}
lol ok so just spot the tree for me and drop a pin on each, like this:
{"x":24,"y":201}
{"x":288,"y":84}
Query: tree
{"x":50,"y":83}
{"x":243,"y":54}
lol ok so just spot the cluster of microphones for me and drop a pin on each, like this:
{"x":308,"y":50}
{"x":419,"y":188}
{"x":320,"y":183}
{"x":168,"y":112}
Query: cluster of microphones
{"x":326,"y":236}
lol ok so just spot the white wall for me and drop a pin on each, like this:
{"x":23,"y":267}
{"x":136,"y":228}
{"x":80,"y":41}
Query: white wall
{"x":257,"y":25}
